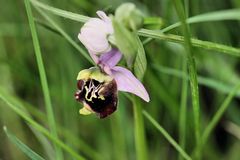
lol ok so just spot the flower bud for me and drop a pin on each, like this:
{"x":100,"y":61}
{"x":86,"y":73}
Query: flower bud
{"x":130,"y":16}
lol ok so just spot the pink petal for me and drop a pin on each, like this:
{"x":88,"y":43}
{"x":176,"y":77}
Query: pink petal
{"x":127,"y":82}
{"x":111,"y":58}
{"x":93,"y":56}
{"x":103,"y":16}
{"x":94,"y":35}
{"x":99,"y":25}
{"x":94,"y":40}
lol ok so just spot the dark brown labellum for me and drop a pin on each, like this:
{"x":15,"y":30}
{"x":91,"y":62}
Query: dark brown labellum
{"x":100,"y":97}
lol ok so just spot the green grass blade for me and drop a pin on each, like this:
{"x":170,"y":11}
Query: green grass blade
{"x":192,"y":72}
{"x":209,"y":82}
{"x":167,"y":136}
{"x":195,"y":42}
{"x":24,"y":148}
{"x":43,"y":78}
{"x":66,"y":36}
{"x":38,"y":127}
{"x":60,"y":12}
{"x":183,"y":109}
{"x":231,"y":14}
{"x":218,"y":115}
{"x":46,"y":26}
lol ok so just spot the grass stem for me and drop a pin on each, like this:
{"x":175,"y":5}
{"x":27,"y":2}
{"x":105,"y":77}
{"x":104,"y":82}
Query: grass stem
{"x":43,"y":78}
{"x":192,"y":73}
{"x":183,"y":109}
{"x":140,"y":140}
{"x":218,"y":115}
{"x":167,"y":136}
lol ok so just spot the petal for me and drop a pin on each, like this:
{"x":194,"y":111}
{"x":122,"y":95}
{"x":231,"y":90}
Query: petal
{"x":103,"y":16}
{"x":99,"y":25}
{"x":127,"y":82}
{"x":94,"y":34}
{"x":93,"y":56}
{"x":111,"y":58}
{"x":94,"y":40}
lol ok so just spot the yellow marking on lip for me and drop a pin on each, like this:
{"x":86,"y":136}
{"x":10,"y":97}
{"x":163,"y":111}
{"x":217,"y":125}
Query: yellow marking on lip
{"x":101,"y":97}
{"x":94,"y":73}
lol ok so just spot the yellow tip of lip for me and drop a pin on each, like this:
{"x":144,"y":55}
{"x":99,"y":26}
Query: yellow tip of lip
{"x":84,"y":111}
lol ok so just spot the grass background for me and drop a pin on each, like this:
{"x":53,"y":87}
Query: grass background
{"x":165,"y":79}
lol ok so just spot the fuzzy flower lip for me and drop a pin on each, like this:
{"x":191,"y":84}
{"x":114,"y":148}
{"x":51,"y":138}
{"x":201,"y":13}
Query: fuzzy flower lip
{"x":94,"y":34}
{"x":97,"y":91}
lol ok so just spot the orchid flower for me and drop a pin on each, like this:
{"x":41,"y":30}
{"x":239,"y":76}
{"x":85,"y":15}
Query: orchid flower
{"x":98,"y":86}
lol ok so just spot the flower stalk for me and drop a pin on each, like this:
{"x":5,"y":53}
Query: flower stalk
{"x":140,"y":139}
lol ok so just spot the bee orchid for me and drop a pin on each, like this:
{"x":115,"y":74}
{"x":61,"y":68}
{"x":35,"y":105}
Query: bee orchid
{"x":98,"y":86}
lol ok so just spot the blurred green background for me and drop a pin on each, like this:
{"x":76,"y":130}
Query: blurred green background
{"x":113,"y":138}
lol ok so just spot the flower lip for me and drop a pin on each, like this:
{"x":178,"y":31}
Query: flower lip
{"x":98,"y":96}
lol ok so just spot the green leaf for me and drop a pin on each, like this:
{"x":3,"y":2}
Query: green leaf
{"x":24,"y":148}
{"x":125,"y":41}
{"x":140,"y":64}
{"x":231,"y":14}
{"x":60,"y":12}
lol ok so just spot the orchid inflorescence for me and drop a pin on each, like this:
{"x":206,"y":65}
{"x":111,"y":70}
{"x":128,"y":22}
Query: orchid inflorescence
{"x":98,"y":86}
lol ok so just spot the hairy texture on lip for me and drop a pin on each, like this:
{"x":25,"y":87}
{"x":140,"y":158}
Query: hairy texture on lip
{"x":100,"y":97}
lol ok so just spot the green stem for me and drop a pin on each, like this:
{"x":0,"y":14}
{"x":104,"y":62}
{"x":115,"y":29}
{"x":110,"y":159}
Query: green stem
{"x":43,"y":78}
{"x":195,"y":42}
{"x":60,"y":12}
{"x":119,"y":145}
{"x":140,"y":140}
{"x":184,"y":95}
{"x":192,"y":73}
{"x":167,"y":136}
{"x":183,"y":108}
